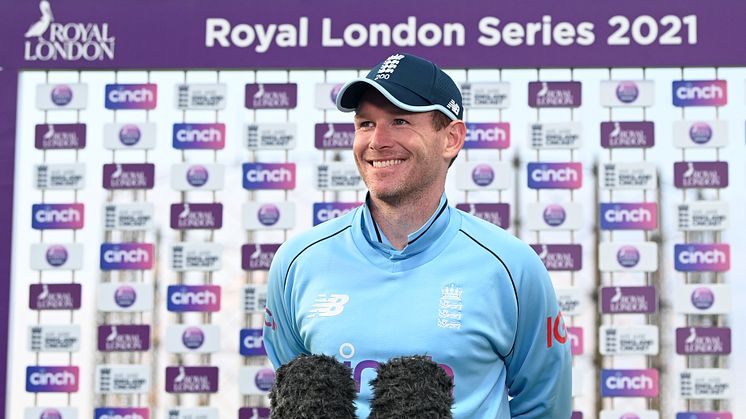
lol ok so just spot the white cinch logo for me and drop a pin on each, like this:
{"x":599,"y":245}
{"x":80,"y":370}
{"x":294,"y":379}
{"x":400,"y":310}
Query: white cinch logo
{"x":389,"y":66}
{"x":329,"y":305}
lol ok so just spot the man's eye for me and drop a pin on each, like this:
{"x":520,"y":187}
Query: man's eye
{"x":364,"y":124}
{"x":400,"y":121}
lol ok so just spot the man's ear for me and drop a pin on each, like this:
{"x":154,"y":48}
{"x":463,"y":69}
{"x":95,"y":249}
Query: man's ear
{"x":455,"y":136}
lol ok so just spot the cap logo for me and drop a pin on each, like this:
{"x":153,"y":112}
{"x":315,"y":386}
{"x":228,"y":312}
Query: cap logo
{"x":452,"y":105}
{"x":388,"y":66}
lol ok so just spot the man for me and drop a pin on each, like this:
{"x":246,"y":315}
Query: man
{"x":407,"y":274}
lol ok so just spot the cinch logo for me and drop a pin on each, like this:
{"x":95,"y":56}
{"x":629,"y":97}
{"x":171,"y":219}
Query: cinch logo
{"x":41,"y":379}
{"x":126,"y":256}
{"x":556,"y":330}
{"x":202,"y":298}
{"x":627,"y":91}
{"x":48,"y":41}
{"x":702,"y":257}
{"x":252,"y":342}
{"x":629,"y":383}
{"x":325,"y":211}
{"x":131,"y":96}
{"x":700,"y":93}
{"x":121,"y":413}
{"x":57,"y":216}
{"x":555,"y":175}
{"x":704,"y":415}
{"x":637,"y":216}
{"x":487,"y":135}
{"x":347,"y":352}
{"x":199,"y":136}
{"x":269,"y":176}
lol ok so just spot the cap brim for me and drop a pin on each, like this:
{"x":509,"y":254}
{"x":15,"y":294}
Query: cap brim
{"x":403,"y":98}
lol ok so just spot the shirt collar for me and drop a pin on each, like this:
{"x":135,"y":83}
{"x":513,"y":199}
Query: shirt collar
{"x":417,"y":241}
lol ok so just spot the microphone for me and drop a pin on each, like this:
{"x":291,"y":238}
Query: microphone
{"x":411,"y":387}
{"x":313,"y":387}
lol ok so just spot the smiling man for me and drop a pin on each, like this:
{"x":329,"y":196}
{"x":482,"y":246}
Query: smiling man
{"x":407,"y":274}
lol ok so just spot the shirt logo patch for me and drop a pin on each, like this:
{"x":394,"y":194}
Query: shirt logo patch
{"x":328,"y":305}
{"x":450,"y":306}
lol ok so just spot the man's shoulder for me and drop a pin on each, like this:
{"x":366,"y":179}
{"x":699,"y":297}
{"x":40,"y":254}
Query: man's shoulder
{"x":493,"y":238}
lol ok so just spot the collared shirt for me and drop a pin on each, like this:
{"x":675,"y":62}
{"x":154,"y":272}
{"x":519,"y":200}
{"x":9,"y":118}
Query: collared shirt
{"x":463,"y":291}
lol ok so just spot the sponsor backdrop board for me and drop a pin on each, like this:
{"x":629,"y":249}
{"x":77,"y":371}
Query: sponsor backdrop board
{"x":131,"y":175}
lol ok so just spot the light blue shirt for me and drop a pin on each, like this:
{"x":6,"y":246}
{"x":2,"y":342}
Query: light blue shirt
{"x":463,"y":291}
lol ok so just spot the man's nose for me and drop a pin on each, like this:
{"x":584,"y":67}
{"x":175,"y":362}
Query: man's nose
{"x":381,"y":137}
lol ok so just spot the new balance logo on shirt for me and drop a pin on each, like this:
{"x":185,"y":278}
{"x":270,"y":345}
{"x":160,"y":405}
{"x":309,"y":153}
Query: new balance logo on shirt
{"x":329,"y":305}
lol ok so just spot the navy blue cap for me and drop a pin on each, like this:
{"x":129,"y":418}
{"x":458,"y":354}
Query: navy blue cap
{"x":409,"y":82}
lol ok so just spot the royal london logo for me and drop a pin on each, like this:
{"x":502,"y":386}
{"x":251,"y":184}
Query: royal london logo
{"x":328,"y":305}
{"x":450,"y":306}
{"x":47,"y":40}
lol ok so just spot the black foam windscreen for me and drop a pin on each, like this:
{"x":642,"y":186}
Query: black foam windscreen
{"x":412,"y":387}
{"x":313,"y":387}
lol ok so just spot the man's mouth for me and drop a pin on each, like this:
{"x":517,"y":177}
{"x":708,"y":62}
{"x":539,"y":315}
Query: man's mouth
{"x":385,"y":163}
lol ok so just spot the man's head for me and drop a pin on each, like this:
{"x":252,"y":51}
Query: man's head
{"x":409,"y":82}
{"x":407,"y":127}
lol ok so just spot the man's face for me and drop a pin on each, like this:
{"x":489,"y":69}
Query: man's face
{"x":398,"y":153}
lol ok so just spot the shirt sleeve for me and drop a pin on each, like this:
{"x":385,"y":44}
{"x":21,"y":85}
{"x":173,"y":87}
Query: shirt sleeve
{"x":281,"y":338}
{"x":539,"y":367}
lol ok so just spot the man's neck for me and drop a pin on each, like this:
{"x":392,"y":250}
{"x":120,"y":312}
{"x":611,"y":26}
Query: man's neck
{"x":398,"y":220}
